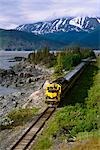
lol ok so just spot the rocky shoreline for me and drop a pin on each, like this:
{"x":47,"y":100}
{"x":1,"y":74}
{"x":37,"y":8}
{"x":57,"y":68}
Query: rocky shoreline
{"x":26,"y":78}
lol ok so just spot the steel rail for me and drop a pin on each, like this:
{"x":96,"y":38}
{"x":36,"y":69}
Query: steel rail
{"x":29,"y":136}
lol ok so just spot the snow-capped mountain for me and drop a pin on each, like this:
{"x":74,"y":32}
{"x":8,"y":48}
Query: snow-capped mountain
{"x":78,"y":24}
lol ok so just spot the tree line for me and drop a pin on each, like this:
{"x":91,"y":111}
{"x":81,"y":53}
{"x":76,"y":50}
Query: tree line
{"x":63,"y":59}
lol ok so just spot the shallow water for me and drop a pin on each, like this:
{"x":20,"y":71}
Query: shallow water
{"x":6,"y":56}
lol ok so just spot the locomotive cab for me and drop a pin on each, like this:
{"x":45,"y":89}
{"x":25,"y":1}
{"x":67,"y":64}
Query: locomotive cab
{"x":53,"y":92}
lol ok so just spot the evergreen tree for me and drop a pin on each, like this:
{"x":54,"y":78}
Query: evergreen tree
{"x":59,"y":66}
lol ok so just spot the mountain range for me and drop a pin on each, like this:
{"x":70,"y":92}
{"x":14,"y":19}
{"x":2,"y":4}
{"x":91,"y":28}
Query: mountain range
{"x":58,"y":33}
{"x":77,"y":24}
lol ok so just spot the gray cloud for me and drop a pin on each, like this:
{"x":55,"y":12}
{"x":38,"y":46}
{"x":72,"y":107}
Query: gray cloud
{"x":15,"y":12}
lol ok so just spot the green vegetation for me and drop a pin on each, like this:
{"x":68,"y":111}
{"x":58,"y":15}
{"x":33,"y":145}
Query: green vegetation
{"x":80,"y":117}
{"x":63,"y":60}
{"x":42,"y":56}
{"x":20,"y":116}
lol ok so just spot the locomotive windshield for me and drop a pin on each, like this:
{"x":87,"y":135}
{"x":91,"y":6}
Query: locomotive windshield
{"x":52,"y":89}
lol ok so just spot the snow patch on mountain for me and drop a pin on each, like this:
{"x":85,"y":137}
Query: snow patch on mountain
{"x":77,"y":22}
{"x":98,"y":20}
{"x":62,"y":24}
{"x":58,"y":24}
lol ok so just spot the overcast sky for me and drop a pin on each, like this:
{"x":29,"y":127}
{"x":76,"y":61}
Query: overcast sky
{"x":16,"y":12}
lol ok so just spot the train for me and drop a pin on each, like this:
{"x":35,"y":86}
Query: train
{"x":56,"y":90}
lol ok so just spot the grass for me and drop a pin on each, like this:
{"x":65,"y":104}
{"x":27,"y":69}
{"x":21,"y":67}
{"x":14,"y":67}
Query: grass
{"x":91,"y":144}
{"x":20,"y":116}
{"x":80,"y":115}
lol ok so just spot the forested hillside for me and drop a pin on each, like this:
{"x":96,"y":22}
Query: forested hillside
{"x":18,"y":40}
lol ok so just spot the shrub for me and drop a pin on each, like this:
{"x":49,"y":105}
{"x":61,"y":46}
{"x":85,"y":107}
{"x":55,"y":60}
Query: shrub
{"x":20,"y":116}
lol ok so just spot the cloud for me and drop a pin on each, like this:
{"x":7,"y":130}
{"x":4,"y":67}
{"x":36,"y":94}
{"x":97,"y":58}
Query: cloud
{"x":16,"y":12}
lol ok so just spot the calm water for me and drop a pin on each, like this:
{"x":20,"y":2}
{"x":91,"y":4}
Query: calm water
{"x":5,"y":56}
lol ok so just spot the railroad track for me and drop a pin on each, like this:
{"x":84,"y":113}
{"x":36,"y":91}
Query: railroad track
{"x":29,"y":136}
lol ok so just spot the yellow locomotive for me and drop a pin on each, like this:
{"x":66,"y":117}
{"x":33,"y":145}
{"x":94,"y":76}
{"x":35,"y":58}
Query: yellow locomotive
{"x":53,"y":93}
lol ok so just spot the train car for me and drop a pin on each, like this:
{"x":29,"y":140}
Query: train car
{"x":72,"y":76}
{"x":63,"y":84}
